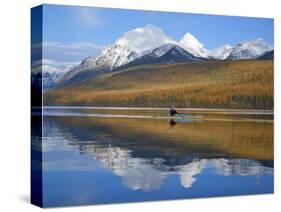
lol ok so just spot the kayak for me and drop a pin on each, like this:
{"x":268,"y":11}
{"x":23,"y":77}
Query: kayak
{"x":187,"y":116}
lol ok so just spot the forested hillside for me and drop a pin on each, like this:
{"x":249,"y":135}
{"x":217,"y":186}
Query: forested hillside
{"x":241,"y":84}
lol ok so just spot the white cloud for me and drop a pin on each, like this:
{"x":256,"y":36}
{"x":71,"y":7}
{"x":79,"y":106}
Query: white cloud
{"x":41,"y":62}
{"x":51,"y":66}
{"x":88,"y":17}
{"x":60,"y":57}
{"x":70,"y":52}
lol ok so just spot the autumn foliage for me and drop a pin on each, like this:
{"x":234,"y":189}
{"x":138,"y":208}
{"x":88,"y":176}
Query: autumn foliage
{"x":246,"y":84}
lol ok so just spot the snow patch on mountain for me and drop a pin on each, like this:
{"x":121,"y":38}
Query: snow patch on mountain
{"x":165,"y":54}
{"x":221,"y":52}
{"x":250,"y":49}
{"x":158,"y":52}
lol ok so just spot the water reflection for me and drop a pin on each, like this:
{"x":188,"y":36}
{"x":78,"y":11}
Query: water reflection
{"x":145,"y":153}
{"x":173,"y":122}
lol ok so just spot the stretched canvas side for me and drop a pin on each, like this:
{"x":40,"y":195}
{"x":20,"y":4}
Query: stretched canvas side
{"x":36,"y":106}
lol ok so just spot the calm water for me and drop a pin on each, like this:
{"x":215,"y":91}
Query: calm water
{"x":94,"y":156}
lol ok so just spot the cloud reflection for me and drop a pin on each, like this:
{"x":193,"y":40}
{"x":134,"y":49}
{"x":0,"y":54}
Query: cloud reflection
{"x":137,"y":173}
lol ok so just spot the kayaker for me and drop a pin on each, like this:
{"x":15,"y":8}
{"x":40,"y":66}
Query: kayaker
{"x":173,"y":111}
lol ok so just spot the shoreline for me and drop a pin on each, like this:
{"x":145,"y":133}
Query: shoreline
{"x":200,"y":110}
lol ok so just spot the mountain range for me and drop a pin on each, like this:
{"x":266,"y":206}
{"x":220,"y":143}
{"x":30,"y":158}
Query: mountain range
{"x":150,"y":45}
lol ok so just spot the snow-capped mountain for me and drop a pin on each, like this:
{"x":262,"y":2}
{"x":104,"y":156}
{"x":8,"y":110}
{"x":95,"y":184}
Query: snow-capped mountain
{"x":150,"y":57}
{"x":193,"y":46}
{"x":167,"y":53}
{"x":51,"y":71}
{"x":150,"y":44}
{"x":158,"y":52}
{"x":128,"y":47}
{"x":249,"y":49}
{"x":221,"y":52}
{"x":176,"y":55}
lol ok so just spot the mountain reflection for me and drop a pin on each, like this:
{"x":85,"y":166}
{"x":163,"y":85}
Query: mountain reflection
{"x":145,"y":158}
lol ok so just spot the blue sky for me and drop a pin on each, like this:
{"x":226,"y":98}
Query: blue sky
{"x":69,"y":26}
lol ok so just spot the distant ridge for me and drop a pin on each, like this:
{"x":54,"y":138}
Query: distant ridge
{"x":267,"y":56}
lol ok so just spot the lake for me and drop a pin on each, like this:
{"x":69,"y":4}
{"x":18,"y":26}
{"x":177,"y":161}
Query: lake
{"x":101,"y":155}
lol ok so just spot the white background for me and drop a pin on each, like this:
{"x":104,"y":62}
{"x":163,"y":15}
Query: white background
{"x":15,"y":98}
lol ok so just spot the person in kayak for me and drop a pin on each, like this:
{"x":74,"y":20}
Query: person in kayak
{"x":173,"y":111}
